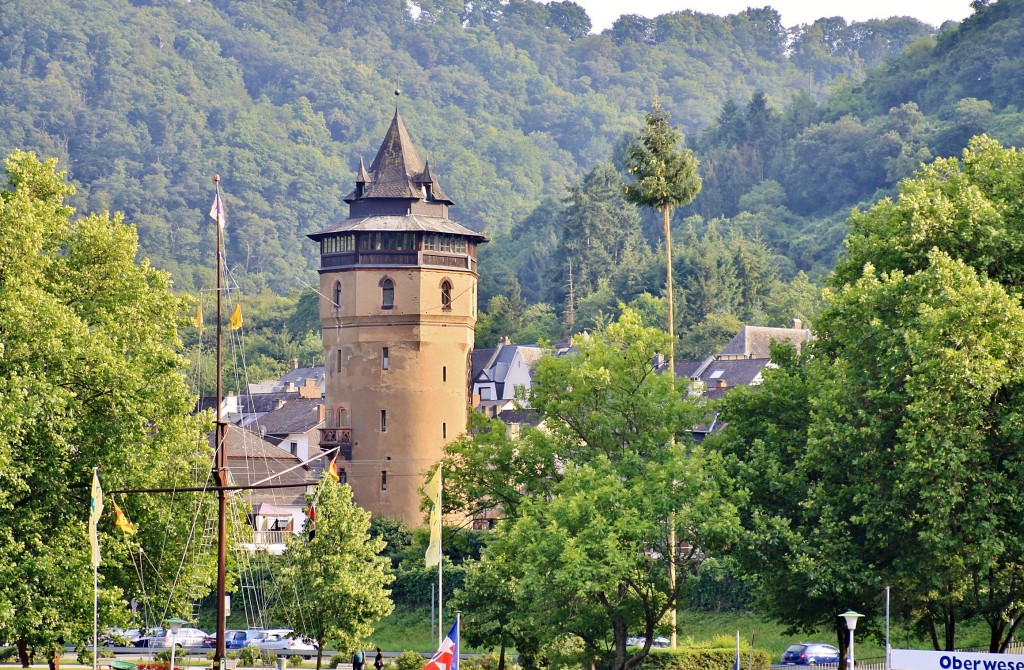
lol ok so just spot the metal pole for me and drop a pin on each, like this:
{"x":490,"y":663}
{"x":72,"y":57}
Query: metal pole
{"x":440,"y":559}
{"x":888,"y":647}
{"x":850,"y":658}
{"x":174,"y":646}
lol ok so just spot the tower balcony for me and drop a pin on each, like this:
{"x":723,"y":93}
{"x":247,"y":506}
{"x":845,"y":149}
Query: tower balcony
{"x":348,"y":259}
{"x":337,"y":437}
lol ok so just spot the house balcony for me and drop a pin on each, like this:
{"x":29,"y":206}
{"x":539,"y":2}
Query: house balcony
{"x":332,"y":437}
{"x":265,"y":538}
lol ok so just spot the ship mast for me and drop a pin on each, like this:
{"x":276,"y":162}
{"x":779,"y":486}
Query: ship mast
{"x":220,"y":465}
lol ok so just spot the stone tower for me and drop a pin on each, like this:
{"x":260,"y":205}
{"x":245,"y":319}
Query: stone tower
{"x":398,"y":307}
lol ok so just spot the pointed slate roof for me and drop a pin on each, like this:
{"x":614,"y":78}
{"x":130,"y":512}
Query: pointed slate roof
{"x":397,"y":171}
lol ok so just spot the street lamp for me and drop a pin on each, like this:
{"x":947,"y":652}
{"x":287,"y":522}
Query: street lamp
{"x":851,"y":623}
{"x":175,"y":625}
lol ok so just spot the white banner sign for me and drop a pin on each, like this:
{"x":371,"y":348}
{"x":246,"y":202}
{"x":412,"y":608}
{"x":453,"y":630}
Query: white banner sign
{"x":912,"y":659}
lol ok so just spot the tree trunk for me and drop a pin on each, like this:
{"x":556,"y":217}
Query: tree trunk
{"x":843,"y":638}
{"x":55,"y":655}
{"x":23,"y":655}
{"x":933,"y":633}
{"x":319,"y":653}
{"x":501,"y":656}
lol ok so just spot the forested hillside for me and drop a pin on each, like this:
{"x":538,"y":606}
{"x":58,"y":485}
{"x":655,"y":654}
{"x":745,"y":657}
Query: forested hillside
{"x":525,"y":116}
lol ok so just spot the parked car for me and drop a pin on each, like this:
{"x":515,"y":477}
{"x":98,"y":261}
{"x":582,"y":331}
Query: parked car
{"x":659,"y":642}
{"x":281,"y":641}
{"x":119,"y":637}
{"x":186,"y":637}
{"x":810,"y":653}
{"x":237,"y":639}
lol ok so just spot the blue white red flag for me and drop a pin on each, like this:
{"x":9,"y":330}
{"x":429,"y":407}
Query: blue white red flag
{"x":217,"y":210}
{"x":447,"y":657}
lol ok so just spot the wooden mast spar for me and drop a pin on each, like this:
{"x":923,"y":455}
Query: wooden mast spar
{"x":221,"y":462}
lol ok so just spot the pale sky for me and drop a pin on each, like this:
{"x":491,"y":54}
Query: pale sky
{"x":794,"y":12}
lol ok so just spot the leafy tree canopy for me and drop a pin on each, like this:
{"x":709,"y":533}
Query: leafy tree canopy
{"x":90,"y":378}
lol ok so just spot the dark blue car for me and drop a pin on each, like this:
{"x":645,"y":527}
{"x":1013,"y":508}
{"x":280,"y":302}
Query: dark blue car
{"x":237,"y":639}
{"x":810,"y":653}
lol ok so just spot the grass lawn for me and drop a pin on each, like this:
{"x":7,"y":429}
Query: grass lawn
{"x":410,"y":629}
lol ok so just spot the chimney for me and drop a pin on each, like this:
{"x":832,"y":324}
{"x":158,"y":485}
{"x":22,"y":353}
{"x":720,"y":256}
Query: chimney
{"x":295,"y":364}
{"x":797,"y":324}
{"x":280,"y":403}
{"x":722,"y":384}
{"x":309,"y":389}
{"x":321,"y":413}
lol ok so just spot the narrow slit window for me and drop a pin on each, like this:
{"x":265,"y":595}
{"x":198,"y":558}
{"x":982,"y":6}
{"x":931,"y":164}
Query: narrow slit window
{"x":444,"y":431}
{"x":385,"y":359}
{"x":342,"y":476}
{"x":383,"y":480}
{"x":446,"y":295}
{"x":387,"y":290}
{"x":383,"y":421}
{"x":444,"y":373}
{"x":337,"y":295}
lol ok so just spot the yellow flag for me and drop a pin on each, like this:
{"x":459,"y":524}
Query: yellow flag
{"x":122,"y":522}
{"x":95,"y":510}
{"x":433,"y":491}
{"x":236,"y":318}
{"x":198,"y":321}
{"x":332,"y":469}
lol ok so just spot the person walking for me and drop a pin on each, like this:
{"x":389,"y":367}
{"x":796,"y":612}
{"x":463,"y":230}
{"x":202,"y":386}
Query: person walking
{"x":378,"y":660}
{"x":357,"y":660}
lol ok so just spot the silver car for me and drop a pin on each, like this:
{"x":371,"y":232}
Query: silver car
{"x":186,"y":637}
{"x":285,"y":643}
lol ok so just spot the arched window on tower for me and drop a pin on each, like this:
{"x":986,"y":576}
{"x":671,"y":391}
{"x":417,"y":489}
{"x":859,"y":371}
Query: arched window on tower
{"x":446,"y":295}
{"x":387,"y":293}
{"x":337,"y":294}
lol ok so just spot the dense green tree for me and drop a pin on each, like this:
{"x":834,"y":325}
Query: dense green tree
{"x":339,"y":576}
{"x":967,"y":209}
{"x":488,"y":468}
{"x":913,"y":384}
{"x":91,"y":378}
{"x":601,"y":229}
{"x":591,"y":554}
{"x":489,"y":610}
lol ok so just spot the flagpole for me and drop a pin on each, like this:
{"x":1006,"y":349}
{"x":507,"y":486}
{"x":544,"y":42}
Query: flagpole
{"x":440,"y":557}
{"x":95,"y":617}
{"x":95,"y":594}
